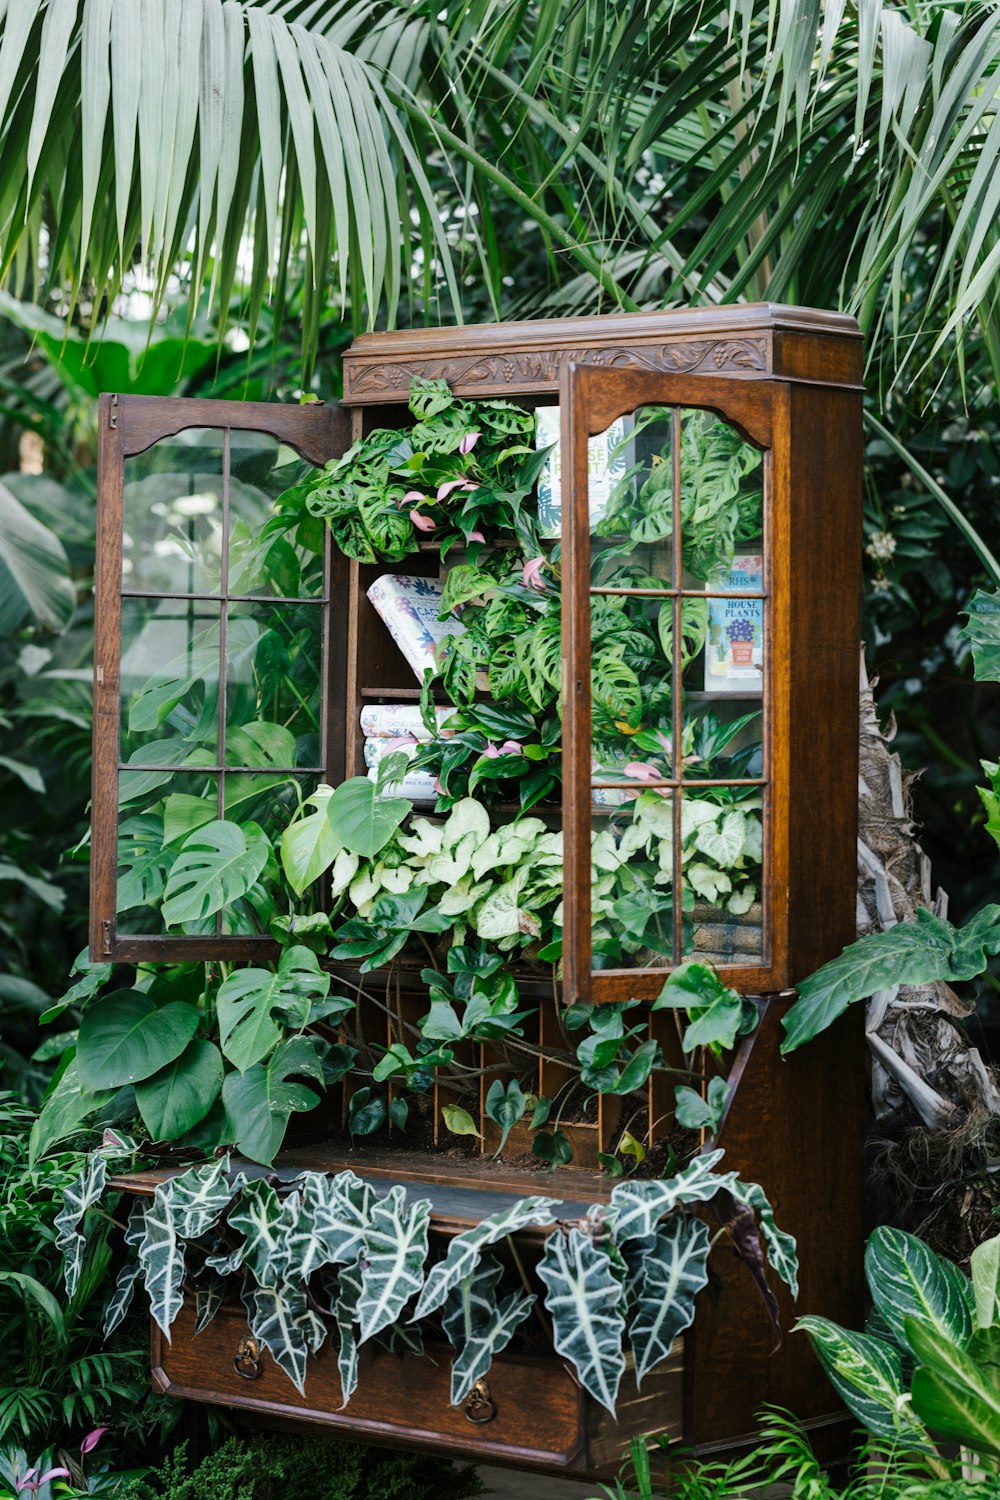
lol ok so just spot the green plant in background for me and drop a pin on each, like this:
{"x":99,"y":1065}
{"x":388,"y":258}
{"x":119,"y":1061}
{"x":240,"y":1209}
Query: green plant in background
{"x":328,"y":1257}
{"x":271,"y":1467}
{"x":784,"y":1459}
{"x":57,"y":1373}
{"x":926,"y":1367}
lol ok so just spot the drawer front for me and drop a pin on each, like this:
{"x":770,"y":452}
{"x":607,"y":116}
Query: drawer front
{"x":539,"y":1416}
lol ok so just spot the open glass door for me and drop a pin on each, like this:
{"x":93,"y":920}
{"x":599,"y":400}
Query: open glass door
{"x":669,"y":648}
{"x":212,"y":664}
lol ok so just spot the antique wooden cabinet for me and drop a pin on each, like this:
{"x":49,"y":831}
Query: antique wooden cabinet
{"x":761,"y":655}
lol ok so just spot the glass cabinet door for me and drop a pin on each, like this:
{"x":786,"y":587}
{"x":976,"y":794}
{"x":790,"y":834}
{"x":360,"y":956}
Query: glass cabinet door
{"x":668,"y":653}
{"x":211,"y":664}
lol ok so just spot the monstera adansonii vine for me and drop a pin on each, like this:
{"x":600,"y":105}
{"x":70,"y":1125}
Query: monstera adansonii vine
{"x":327,"y":1256}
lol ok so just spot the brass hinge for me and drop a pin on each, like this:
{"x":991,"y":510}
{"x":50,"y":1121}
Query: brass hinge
{"x":106,"y":927}
{"x":113,"y":413}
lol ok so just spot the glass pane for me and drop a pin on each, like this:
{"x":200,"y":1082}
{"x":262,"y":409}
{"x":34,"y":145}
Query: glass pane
{"x":721,"y":501}
{"x":274,"y":656}
{"x":173,"y":515}
{"x":156,"y":814}
{"x":169,"y":675}
{"x":632,"y":899}
{"x":664,"y":624}
{"x":270,"y":559}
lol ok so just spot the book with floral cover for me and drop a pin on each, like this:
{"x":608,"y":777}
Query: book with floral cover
{"x":391,"y":721}
{"x":734,"y":648}
{"x":409,"y":609}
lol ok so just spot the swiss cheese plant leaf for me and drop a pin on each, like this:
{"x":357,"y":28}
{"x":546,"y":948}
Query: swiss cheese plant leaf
{"x":983,"y":634}
{"x":180,"y":1095}
{"x":309,"y":846}
{"x":867,"y":1375}
{"x":464,"y":1251}
{"x":666,"y":1273}
{"x":216,"y":866}
{"x":283,"y":1321}
{"x":83,"y":1192}
{"x":395,"y":1251}
{"x":361,"y":820}
{"x":143,"y":862}
{"x":121,"y":1298}
{"x":911,"y":953}
{"x":125,"y":1038}
{"x":478,"y":1326}
{"x":249,"y":998}
{"x":586,"y":1302}
{"x":985,"y":1268}
{"x":161,"y":1256}
{"x":639,"y":1206}
{"x":908,"y":1280}
{"x":260,"y":1101}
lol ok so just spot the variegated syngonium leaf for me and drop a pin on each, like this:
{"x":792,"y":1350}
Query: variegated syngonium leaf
{"x":121,"y":1297}
{"x":666,"y":1273}
{"x":324,"y":1223}
{"x":395,"y":1251}
{"x":639,"y":1206}
{"x":478,"y":1327}
{"x":464,"y":1250}
{"x":282,"y":1320}
{"x":83,"y":1192}
{"x":586,"y":1302}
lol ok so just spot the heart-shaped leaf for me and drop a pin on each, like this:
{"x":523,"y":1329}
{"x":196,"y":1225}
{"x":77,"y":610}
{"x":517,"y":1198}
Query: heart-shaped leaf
{"x":361,"y":820}
{"x":180,"y":1095}
{"x":125,"y":1038}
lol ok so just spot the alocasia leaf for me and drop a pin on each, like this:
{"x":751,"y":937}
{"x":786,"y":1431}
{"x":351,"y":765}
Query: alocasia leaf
{"x":82,"y":1193}
{"x":216,"y":866}
{"x":667,"y":1272}
{"x":258,"y":1217}
{"x":908,"y":1280}
{"x":586,"y":1302}
{"x":161,"y":1256}
{"x":196,"y":1200}
{"x":395,"y":1251}
{"x":323,"y":1223}
{"x":346,"y":1313}
{"x":209,"y":1295}
{"x":121,"y":1298}
{"x":464,"y":1251}
{"x":781,"y":1248}
{"x":249,"y":998}
{"x":478,"y":1326}
{"x":283,"y":1321}
{"x":639,"y":1206}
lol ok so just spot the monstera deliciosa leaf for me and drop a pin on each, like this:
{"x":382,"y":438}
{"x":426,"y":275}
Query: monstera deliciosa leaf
{"x":216,"y":866}
{"x":260,"y":1101}
{"x":249,"y":999}
{"x":126,"y":1038}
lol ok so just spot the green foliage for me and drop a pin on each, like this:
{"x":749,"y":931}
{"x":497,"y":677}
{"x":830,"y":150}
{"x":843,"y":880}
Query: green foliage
{"x":367,"y":1254}
{"x":271,"y":1467}
{"x":937,"y":1334}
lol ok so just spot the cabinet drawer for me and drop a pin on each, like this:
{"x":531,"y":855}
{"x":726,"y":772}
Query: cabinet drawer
{"x":542,"y":1419}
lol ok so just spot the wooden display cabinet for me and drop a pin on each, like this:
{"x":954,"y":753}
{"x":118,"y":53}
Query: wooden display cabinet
{"x":785,"y":383}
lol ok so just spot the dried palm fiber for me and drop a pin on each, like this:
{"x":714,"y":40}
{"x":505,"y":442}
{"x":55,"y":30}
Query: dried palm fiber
{"x":936,"y":1103}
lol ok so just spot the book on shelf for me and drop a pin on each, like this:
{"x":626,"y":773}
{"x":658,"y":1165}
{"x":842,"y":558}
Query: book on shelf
{"x":391,"y":721}
{"x":609,"y":456}
{"x":734,"y":647}
{"x":408,"y":607}
{"x":421,"y":786}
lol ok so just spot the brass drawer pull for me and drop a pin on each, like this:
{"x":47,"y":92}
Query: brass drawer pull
{"x":479,"y":1407}
{"x":247,"y":1358}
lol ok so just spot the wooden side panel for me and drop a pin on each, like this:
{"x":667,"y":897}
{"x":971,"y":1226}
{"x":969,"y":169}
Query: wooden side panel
{"x":795,"y":1126}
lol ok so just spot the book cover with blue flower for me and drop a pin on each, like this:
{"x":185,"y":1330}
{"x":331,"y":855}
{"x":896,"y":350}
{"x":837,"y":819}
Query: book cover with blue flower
{"x":734,"y":648}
